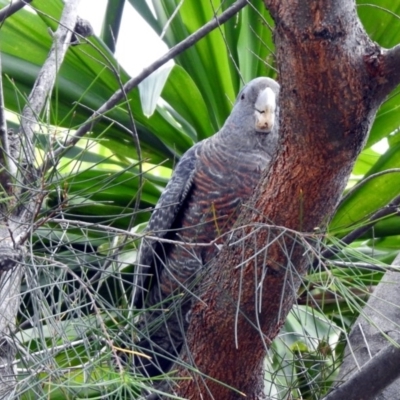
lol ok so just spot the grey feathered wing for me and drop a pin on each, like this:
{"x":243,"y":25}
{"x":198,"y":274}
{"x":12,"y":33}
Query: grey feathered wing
{"x":161,"y":221}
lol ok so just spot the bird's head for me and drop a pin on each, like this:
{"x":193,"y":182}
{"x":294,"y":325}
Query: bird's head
{"x":258,"y":101}
{"x":254,"y":120}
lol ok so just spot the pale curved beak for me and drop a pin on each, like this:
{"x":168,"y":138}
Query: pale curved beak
{"x":265,"y":107}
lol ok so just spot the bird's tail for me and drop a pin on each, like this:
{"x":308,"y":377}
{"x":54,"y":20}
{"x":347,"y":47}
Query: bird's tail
{"x":162,"y":336}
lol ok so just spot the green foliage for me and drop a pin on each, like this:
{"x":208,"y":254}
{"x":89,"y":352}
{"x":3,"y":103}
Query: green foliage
{"x":303,"y":360}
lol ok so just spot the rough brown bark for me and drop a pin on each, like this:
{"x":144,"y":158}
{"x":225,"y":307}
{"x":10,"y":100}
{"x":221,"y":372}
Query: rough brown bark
{"x":333,"y":79}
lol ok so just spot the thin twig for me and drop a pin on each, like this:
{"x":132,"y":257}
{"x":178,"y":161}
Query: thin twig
{"x":100,"y":227}
{"x":133,"y":132}
{"x":132,"y":83}
{"x":5,"y":173}
{"x":12,"y":8}
{"x":363,"y":265}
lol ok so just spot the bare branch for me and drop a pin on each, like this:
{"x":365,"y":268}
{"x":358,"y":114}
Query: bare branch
{"x":10,"y":285}
{"x":377,"y":325}
{"x":363,"y":265}
{"x":391,"y":69}
{"x":12,"y":8}
{"x":45,"y":81}
{"x":132,"y":83}
{"x":384,"y":368}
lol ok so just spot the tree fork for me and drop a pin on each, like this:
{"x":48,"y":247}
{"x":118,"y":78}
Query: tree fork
{"x":333,"y":80}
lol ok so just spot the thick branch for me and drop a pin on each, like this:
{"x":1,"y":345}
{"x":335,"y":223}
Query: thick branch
{"x":389,"y":69}
{"x":373,"y":377}
{"x":369,"y":337}
{"x":392,"y":62}
{"x":10,"y":286}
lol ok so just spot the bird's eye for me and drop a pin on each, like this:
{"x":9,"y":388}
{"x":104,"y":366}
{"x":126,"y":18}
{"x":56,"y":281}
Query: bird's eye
{"x":242,"y":96}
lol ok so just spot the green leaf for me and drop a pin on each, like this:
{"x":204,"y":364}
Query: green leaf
{"x":112,"y":23}
{"x":387,"y":120}
{"x":379,"y":18}
{"x":88,"y":78}
{"x":371,"y":196}
{"x":189,"y":103}
{"x":381,"y":21}
{"x":150,"y":90}
{"x":365,"y":161}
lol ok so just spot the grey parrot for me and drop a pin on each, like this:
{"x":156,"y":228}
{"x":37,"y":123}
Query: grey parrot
{"x":200,"y":203}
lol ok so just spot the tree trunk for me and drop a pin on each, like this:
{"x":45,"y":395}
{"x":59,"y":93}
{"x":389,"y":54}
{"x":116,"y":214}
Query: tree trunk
{"x":333,"y":79}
